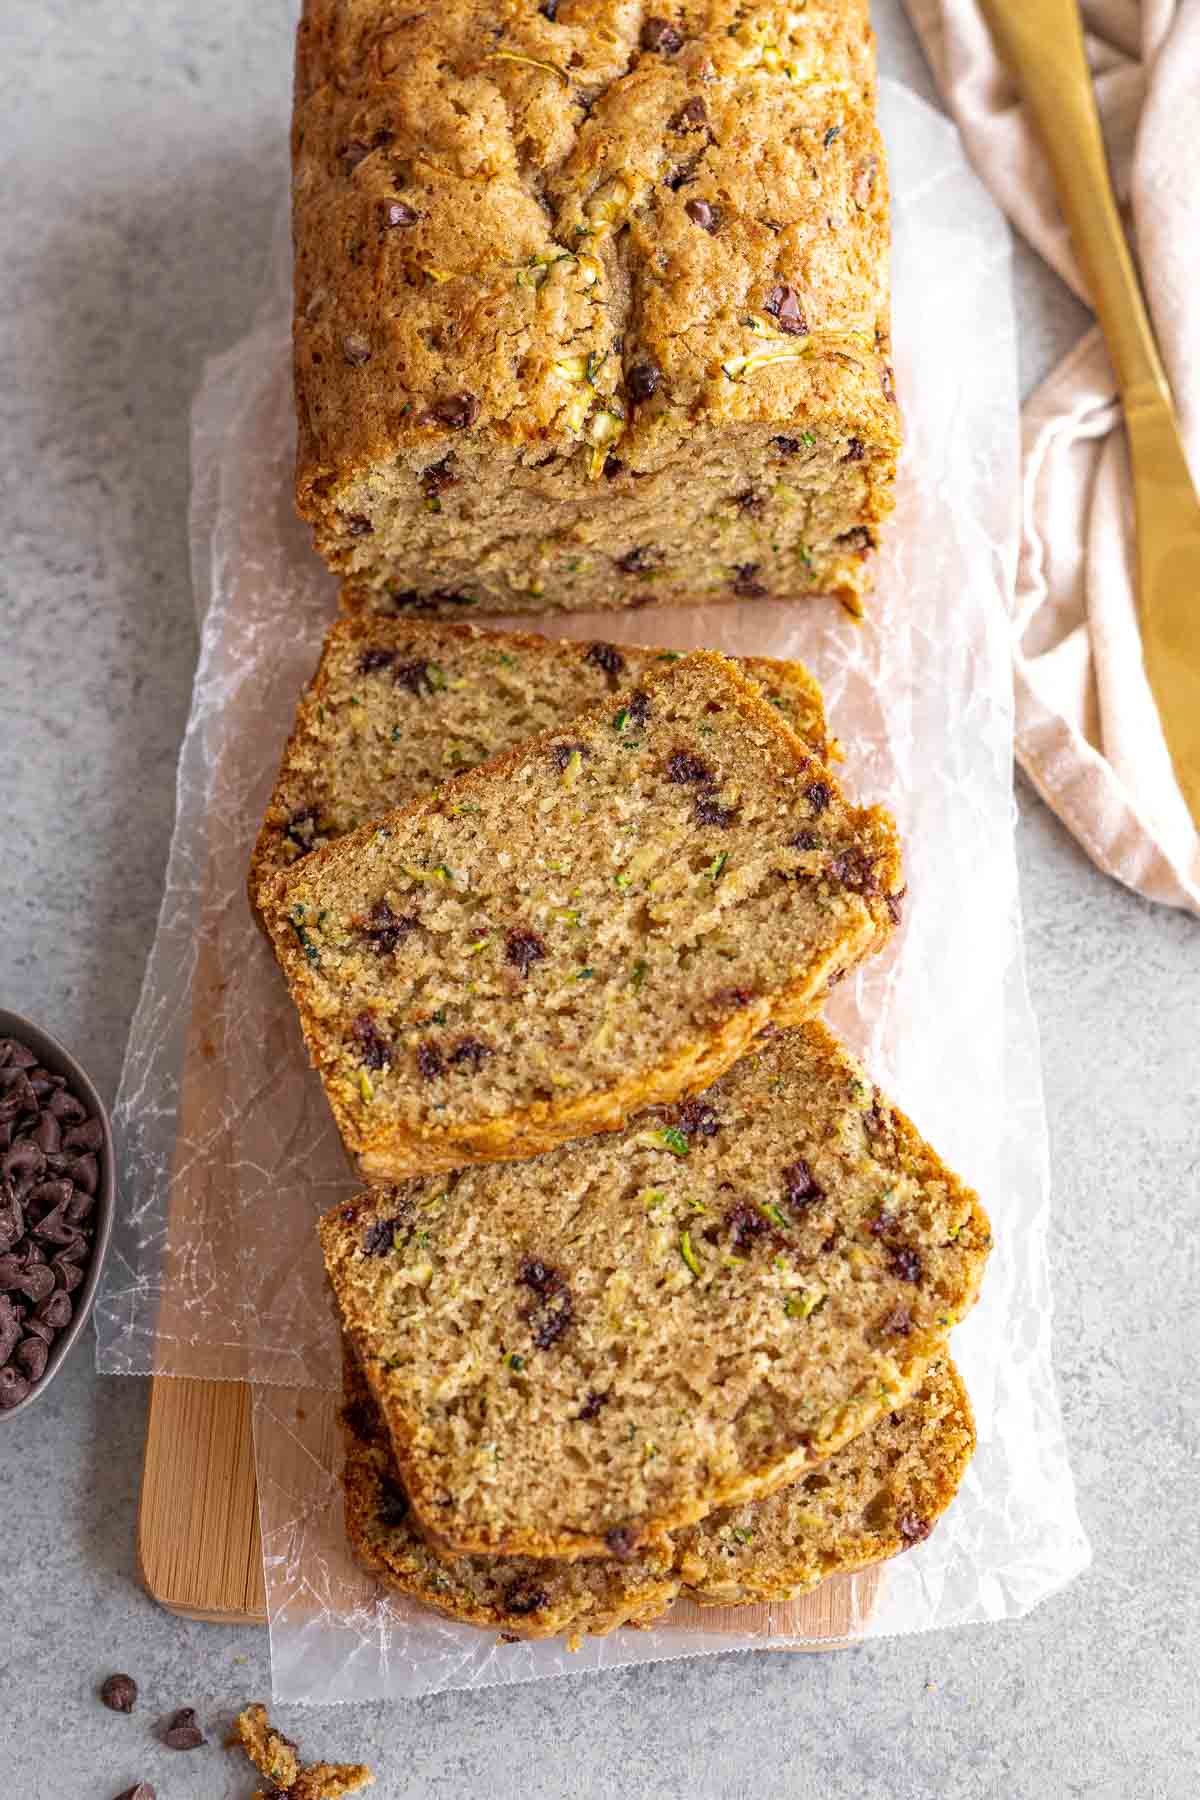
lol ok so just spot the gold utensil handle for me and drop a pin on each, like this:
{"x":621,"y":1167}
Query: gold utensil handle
{"x":1042,"y":42}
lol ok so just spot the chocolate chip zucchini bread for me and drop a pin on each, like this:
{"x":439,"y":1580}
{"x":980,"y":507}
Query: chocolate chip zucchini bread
{"x":579,"y":1354}
{"x":397,"y":707}
{"x":599,"y":921}
{"x":879,"y":1495}
{"x":591,"y":300}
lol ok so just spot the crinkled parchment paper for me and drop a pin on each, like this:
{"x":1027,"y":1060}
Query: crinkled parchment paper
{"x":228,"y":1152}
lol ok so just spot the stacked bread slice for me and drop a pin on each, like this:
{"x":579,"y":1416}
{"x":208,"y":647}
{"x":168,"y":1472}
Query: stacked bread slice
{"x":652,"y":1291}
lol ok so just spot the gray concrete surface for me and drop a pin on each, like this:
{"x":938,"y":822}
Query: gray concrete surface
{"x":141,"y":158}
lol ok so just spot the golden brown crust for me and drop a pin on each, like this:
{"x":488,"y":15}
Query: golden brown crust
{"x":384,"y":1130}
{"x":503,"y":220}
{"x":654,"y":1255}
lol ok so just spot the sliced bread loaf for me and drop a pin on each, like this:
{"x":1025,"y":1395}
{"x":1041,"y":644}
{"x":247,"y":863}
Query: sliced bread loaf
{"x":397,"y":707}
{"x":599,"y":921}
{"x":576,"y":1355}
{"x":881,"y":1494}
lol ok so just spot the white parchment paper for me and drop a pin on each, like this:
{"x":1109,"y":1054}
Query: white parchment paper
{"x":226,"y":1147}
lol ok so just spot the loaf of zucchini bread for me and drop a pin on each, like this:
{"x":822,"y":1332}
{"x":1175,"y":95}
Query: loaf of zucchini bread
{"x":881,"y":1494}
{"x":576,"y":1355}
{"x":599,"y":921}
{"x":591,"y":300}
{"x":399,"y":706}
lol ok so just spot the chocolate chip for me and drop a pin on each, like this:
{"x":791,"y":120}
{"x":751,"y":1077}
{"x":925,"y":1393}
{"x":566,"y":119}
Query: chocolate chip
{"x":14,"y":1388}
{"x":592,"y":1404}
{"x":458,"y":411}
{"x":12,"y":1269}
{"x":22,"y":1164}
{"x":804,"y":840}
{"x":10,"y":1328}
{"x":637,"y":560}
{"x":141,"y":1790}
{"x":745,"y":1225}
{"x":787,"y":446}
{"x":398,"y":214}
{"x":731,"y":999}
{"x":905,"y":1262}
{"x":554,"y":1309}
{"x":182,"y":1732}
{"x":750,"y":502}
{"x":746,"y":582}
{"x":358,"y":525}
{"x":695,"y":1118}
{"x":637,"y":709}
{"x":542,"y":1277}
{"x":683,"y":766}
{"x":385,"y":929}
{"x":704,"y":214}
{"x":835,"y":131}
{"x":642,"y":381}
{"x":800,"y":1187}
{"x":67,"y":1275}
{"x":66,"y":1108}
{"x":119,"y":1693}
{"x":613,"y":466}
{"x":912,"y":1528}
{"x":606,"y":657}
{"x":855,"y":450}
{"x":661,"y":37}
{"x":561,"y":754}
{"x":47,"y":1134}
{"x":857,"y":538}
{"x":393,"y":1504}
{"x":523,"y":948}
{"x":523,"y":1598}
{"x":783,"y":304}
{"x":438,"y":477}
{"x":374,"y":1052}
{"x":379,"y":1239}
{"x":710,"y":812}
{"x":549,"y":10}
{"x":356,"y":349}
{"x":414,"y":676}
{"x":622,"y":1542}
{"x":37,"y":1281}
{"x":31,"y":1356}
{"x":819,"y":794}
{"x":55,"y":1310}
{"x":691,"y":115}
{"x":87,"y":1136}
{"x":373,"y":660}
{"x":470,"y":1052}
{"x":429,"y":1061}
{"x":854,"y":870}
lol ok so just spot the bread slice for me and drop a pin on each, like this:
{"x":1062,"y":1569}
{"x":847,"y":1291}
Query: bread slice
{"x":397,"y":707}
{"x":879,"y":1495}
{"x":580,"y":1354}
{"x":599,"y":921}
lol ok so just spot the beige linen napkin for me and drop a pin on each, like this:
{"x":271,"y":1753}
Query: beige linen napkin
{"x":1087,"y":730}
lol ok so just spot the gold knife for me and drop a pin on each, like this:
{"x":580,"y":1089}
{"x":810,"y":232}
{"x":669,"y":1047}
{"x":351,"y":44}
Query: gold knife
{"x":1042,"y":42}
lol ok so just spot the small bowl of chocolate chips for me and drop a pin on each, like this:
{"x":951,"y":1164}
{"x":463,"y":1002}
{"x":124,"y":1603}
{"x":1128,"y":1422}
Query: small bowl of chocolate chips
{"x":56,"y":1207}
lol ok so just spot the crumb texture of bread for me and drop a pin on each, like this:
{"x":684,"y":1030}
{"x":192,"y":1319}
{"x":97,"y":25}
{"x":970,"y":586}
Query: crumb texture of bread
{"x":575,"y":1355}
{"x":600,"y":921}
{"x":591,"y":305}
{"x":878,"y":1496}
{"x":397,"y":707}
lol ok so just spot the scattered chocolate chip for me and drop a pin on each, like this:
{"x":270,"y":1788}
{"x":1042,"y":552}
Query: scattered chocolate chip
{"x":683,"y":766}
{"x":561,"y":754}
{"x":691,"y":115}
{"x":622,"y":1542}
{"x":14,"y":1388}
{"x":415,"y":676}
{"x":385,"y":929}
{"x":471,"y":1053}
{"x":750,"y":502}
{"x":637,"y":560}
{"x":695,"y":1118}
{"x":379,"y":1239}
{"x":31,"y":1356}
{"x":398,"y":214}
{"x":458,"y":411}
{"x":374,"y":1052}
{"x":819,"y":794}
{"x":613,"y":466}
{"x":800,"y":1187}
{"x":854,"y":870}
{"x":429,"y":1061}
{"x":704,"y":214}
{"x":708,"y":811}
{"x":661,"y":37}
{"x":523,"y":1598}
{"x":804,"y":840}
{"x":37,"y":1281}
{"x":373,"y":660}
{"x":912,"y":1528}
{"x":746,"y":582}
{"x":56,"y":1310}
{"x":642,"y":381}
{"x":783,"y":304}
{"x":637,"y":709}
{"x":356,"y":349}
{"x":119,"y":1693}
{"x":523,"y":948}
{"x":745,"y":1225}
{"x":182,"y":1732}
{"x":882,"y":1223}
{"x":855,"y":450}
{"x":835,"y":131}
{"x":393,"y":1504}
{"x":438,"y":477}
{"x":905,"y":1262}
{"x":141,"y":1790}
{"x":592,"y":1404}
{"x":606,"y":657}
{"x":552,"y":1313}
